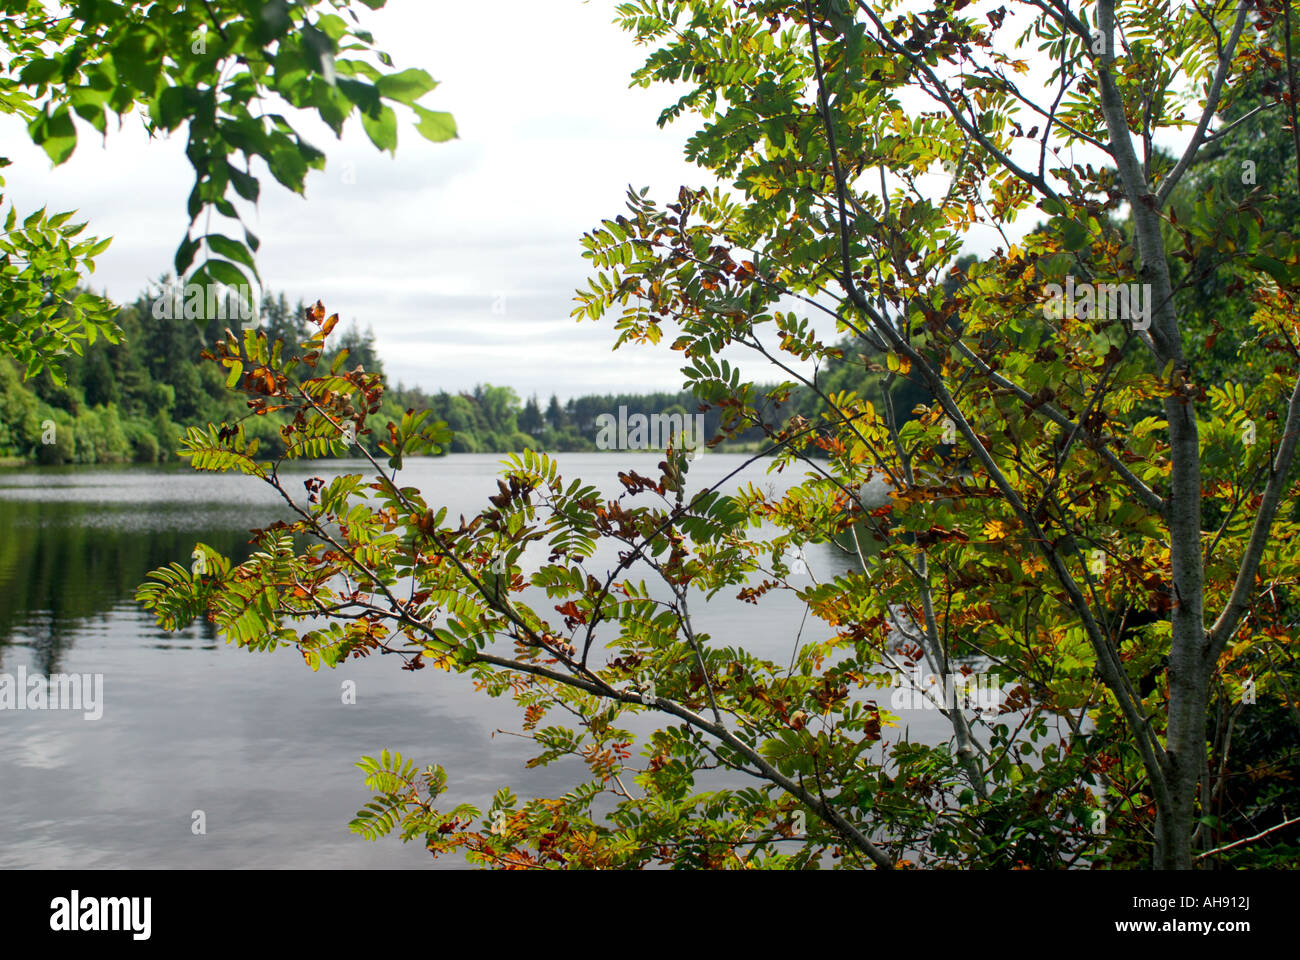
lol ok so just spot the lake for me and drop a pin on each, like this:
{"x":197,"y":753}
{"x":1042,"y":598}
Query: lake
{"x":260,"y":744}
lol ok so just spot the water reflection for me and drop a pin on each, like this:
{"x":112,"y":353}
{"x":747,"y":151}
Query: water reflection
{"x":264,"y":747}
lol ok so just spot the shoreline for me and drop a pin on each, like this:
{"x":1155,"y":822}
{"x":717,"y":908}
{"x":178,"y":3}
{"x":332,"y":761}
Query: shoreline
{"x":22,"y":462}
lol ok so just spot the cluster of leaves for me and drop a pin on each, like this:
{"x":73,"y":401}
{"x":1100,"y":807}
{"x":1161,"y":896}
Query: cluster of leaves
{"x":223,"y":69}
{"x":1047,"y":553}
{"x":383,"y":571}
{"x":44,"y":313}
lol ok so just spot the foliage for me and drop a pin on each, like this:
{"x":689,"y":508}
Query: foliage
{"x":43,"y":314}
{"x":1115,"y":543}
{"x":152,"y":377}
{"x":210,"y":67}
{"x":130,"y":398}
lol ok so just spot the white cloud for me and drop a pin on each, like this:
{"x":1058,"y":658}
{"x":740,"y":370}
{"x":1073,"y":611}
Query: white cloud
{"x":420,"y":246}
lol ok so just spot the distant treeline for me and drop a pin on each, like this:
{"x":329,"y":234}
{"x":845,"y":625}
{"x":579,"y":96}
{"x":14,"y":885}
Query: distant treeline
{"x":130,"y":401}
{"x":492,"y":419}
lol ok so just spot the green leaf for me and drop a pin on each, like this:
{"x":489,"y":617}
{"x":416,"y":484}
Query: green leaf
{"x":289,"y":166}
{"x":221,"y":272}
{"x":185,"y":255}
{"x":1074,"y":235}
{"x":39,"y":72}
{"x":1274,"y":268}
{"x":406,"y":86}
{"x":232,"y":250}
{"x":382,"y":130}
{"x":245,"y":184}
{"x":435,"y":126}
{"x":55,"y":134}
{"x":168,"y":108}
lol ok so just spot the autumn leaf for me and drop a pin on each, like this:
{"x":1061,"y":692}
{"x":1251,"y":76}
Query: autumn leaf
{"x":995,"y":530}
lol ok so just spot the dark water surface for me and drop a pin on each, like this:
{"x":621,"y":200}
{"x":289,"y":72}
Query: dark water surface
{"x":259,"y":743}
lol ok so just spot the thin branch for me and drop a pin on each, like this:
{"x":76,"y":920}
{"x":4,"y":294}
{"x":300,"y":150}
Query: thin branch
{"x":1237,"y":843}
{"x":1226,"y":623}
{"x":1108,"y":662}
{"x":1211,"y":105}
{"x":940,"y":93}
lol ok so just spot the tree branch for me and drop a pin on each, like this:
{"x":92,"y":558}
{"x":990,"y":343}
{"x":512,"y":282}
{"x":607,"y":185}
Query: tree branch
{"x":1211,"y":104}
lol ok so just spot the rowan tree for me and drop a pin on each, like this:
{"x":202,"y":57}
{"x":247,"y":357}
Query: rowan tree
{"x":1117,"y":550}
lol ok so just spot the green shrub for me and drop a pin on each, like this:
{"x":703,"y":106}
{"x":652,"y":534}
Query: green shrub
{"x":20,"y":424}
{"x":99,"y":437}
{"x":56,"y":426}
{"x":144,"y":445}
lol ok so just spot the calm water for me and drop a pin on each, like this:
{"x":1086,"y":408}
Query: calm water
{"x":258,"y":742}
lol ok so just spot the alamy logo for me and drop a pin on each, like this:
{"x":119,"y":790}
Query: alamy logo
{"x":75,"y":913}
{"x":917,"y":692}
{"x":1101,"y":301}
{"x":531,"y":560}
{"x":58,"y":691}
{"x":207,"y":301}
{"x":639,"y":432}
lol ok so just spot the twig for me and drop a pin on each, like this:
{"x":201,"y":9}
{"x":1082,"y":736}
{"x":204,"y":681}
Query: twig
{"x":1237,"y":843}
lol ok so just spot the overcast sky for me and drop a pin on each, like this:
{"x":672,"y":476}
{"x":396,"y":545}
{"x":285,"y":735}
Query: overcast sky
{"x":422,"y":245}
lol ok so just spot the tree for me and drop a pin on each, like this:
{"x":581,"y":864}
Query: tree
{"x":530,"y":418}
{"x":360,"y":348}
{"x":555,"y":414}
{"x":1116,"y":558}
{"x":210,"y":67}
{"x":280,"y":321}
{"x":498,"y":407}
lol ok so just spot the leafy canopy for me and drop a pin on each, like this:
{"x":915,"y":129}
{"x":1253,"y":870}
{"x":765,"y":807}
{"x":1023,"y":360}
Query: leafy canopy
{"x":231,"y":73}
{"x":1073,"y":509}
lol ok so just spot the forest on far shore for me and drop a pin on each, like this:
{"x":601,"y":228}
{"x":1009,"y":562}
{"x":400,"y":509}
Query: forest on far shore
{"x":128,"y":402}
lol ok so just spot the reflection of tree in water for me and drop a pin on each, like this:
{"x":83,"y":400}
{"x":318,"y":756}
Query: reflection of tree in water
{"x":62,"y":564}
